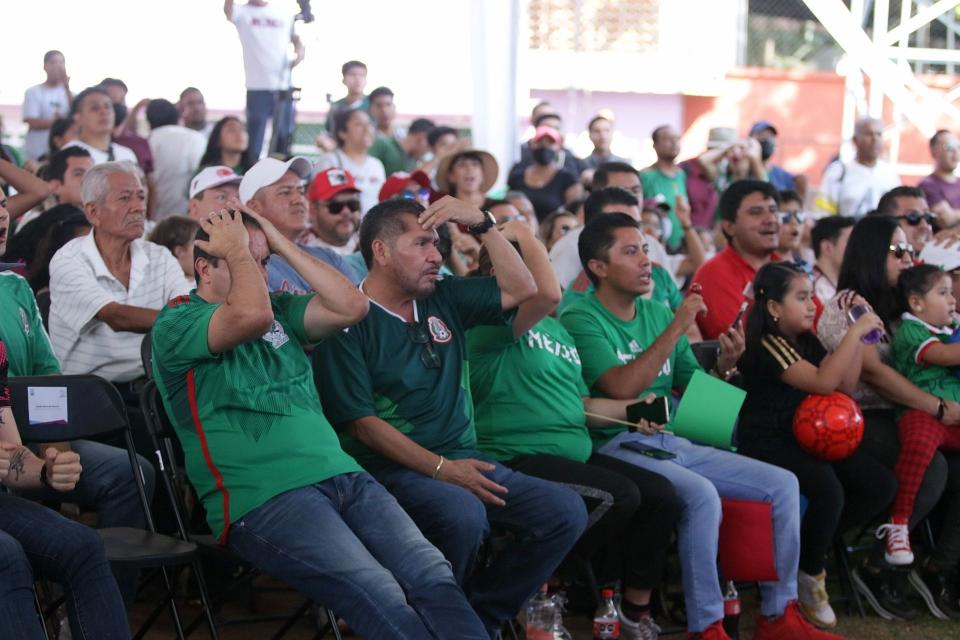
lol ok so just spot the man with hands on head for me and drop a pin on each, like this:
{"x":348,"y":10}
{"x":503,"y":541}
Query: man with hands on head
{"x":631,"y":347}
{"x":396,"y":386}
{"x":278,"y":489}
{"x":36,"y":542}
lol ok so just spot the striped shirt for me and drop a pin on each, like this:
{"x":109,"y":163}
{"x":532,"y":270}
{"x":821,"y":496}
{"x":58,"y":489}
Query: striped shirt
{"x":81,"y":285}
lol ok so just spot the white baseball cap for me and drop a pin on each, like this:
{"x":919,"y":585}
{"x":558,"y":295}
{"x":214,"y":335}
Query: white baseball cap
{"x":213,"y":177}
{"x":268,"y":171}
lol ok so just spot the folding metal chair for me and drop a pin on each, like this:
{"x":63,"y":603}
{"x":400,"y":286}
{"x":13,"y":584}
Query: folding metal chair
{"x":94,"y":408}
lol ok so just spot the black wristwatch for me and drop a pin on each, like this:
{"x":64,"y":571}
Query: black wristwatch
{"x":490,"y":221}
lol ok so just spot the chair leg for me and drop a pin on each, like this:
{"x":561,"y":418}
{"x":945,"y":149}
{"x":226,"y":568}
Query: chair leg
{"x":292,"y":620}
{"x":204,"y":598}
{"x":43,"y":622}
{"x":846,"y":582}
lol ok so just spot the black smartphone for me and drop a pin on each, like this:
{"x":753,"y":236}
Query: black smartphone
{"x":657,"y":412}
{"x":646,"y":450}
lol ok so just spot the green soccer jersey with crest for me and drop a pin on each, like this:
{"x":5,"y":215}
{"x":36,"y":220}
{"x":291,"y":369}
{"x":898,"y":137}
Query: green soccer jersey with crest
{"x":21,"y":329}
{"x":249,"y":419}
{"x":411,"y":375}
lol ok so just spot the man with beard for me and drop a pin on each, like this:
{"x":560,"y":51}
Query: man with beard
{"x":665,"y":180}
{"x":749,"y":218}
{"x":909,"y":206}
{"x":395,"y":386}
{"x":334,"y":212}
{"x":274,"y":190}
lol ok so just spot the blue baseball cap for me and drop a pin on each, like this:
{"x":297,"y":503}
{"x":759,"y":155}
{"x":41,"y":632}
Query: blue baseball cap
{"x":762,"y":125}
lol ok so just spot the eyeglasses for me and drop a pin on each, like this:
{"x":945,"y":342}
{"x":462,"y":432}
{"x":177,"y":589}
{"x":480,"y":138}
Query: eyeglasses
{"x":419,"y":334}
{"x":799,"y":216}
{"x":901,"y":249}
{"x":914,"y":217}
{"x":337,"y":206}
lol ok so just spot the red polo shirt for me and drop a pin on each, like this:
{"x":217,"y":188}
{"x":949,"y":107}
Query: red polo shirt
{"x":722,"y":279}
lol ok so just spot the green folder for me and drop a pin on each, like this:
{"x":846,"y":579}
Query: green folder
{"x":708,"y":411}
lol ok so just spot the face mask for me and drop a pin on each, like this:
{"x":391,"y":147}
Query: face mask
{"x":544,"y":156}
{"x":119,"y":114}
{"x":767,"y":148}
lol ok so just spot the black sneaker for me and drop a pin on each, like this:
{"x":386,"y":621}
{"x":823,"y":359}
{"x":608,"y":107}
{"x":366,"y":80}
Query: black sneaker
{"x":881,"y":592}
{"x":938,"y":589}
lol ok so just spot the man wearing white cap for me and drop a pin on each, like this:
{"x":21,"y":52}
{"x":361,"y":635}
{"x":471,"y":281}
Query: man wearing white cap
{"x":211,"y":189}
{"x":274,"y":189}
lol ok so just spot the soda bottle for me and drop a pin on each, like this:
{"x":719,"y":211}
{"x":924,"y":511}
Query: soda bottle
{"x":731,"y":611}
{"x":540,"y":612}
{"x":606,"y":621}
{"x":557,"y":630}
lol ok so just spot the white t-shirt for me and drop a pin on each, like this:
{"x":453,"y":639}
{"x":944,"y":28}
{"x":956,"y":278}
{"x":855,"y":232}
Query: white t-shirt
{"x":46,"y":103}
{"x":265,"y":37}
{"x":81,"y":285}
{"x":565,"y":257}
{"x":369,"y":176}
{"x":853,"y":189}
{"x":99,"y":156}
{"x":176,"y":155}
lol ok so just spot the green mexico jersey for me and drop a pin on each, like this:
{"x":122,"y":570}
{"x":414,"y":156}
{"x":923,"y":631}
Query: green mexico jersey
{"x":249,"y":419}
{"x":383,"y":367}
{"x":605,"y":341}
{"x":664,"y":289}
{"x":657,"y":183}
{"x":911,"y":339}
{"x":528,"y":392}
{"x":387,"y":150}
{"x":21,"y":329}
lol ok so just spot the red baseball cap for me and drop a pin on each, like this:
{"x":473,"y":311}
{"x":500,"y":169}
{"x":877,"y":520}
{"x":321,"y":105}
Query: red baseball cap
{"x":543,"y":131}
{"x":330,"y":182}
{"x":397,"y":181}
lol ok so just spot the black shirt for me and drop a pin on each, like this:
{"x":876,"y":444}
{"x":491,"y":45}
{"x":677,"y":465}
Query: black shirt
{"x":547,"y":198}
{"x":770,"y":404}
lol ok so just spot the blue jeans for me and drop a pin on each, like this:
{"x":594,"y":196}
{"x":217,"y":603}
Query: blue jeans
{"x":107,"y":486}
{"x":260,"y":108}
{"x":37,"y":540}
{"x":701,"y":476}
{"x":346,"y":543}
{"x":546,"y":520}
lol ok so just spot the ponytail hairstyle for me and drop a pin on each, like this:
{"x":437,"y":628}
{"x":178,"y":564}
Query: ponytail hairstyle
{"x":772,"y":282}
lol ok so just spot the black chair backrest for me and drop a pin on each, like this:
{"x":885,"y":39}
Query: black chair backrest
{"x":706,"y":353}
{"x":146,"y":355}
{"x":43,"y":305}
{"x":94,"y":407}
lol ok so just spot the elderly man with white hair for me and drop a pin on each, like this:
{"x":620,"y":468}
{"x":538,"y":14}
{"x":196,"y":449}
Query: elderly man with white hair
{"x":854,"y":188}
{"x":107,"y":288}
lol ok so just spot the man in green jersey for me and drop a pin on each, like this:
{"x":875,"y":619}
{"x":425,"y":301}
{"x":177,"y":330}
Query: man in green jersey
{"x":277,"y":487}
{"x":396,"y":384}
{"x":631,"y":347}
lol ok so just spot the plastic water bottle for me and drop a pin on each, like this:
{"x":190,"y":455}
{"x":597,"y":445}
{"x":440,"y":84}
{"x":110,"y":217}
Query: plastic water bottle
{"x":540,"y":613}
{"x":731,"y":611}
{"x":557,"y":630}
{"x":606,"y":621}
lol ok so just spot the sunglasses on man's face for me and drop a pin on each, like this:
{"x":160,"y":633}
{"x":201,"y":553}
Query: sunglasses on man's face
{"x":422,"y":194}
{"x":901,"y":249}
{"x":915,"y":217}
{"x":799,"y":216}
{"x":337,"y":206}
{"x":419,"y":334}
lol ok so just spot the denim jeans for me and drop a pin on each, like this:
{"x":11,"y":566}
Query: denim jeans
{"x":38,"y":542}
{"x":107,"y":486}
{"x":701,"y":476}
{"x":346,"y":543}
{"x":260,"y":107}
{"x":544,"y":518}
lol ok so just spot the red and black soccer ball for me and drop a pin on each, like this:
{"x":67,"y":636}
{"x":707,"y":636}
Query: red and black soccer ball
{"x":829,"y":427}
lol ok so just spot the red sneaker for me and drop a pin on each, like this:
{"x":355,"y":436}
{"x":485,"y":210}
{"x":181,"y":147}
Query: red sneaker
{"x":713,"y":632}
{"x":790,"y":626}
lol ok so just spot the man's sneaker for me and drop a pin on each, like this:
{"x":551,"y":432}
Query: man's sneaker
{"x":897,"y":549}
{"x":812,"y":593}
{"x":644,"y":629}
{"x":790,"y":626}
{"x":881,"y":592}
{"x":713,"y":632}
{"x":939,"y":590}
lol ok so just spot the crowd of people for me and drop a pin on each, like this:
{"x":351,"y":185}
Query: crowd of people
{"x":377,"y":360}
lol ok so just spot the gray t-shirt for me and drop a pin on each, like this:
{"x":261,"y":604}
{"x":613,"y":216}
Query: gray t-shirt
{"x":283,"y":277}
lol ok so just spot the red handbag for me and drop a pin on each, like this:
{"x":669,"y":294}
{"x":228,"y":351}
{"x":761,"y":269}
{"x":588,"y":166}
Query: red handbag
{"x":746,"y":541}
